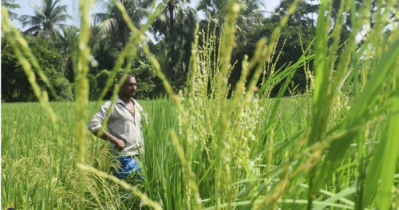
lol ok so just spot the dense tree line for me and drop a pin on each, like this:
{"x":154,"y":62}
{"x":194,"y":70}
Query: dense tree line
{"x":15,"y":85}
{"x":54,"y":43}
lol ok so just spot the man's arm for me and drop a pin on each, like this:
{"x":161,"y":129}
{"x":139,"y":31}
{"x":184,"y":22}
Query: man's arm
{"x":119,"y":144}
{"x":95,"y":126}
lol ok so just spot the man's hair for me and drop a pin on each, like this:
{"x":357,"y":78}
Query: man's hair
{"x":119,"y":76}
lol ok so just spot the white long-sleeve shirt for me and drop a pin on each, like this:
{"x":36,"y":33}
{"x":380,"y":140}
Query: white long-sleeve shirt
{"x":123,"y":125}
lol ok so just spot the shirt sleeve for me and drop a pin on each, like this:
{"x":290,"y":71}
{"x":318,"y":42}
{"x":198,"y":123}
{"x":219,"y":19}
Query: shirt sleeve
{"x":97,"y":121}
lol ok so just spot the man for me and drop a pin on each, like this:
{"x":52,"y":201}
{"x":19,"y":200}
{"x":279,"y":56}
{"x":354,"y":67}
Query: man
{"x":124,"y":128}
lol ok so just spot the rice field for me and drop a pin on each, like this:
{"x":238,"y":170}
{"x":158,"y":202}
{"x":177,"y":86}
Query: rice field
{"x":334,"y":147}
{"x":39,"y":171}
{"x":39,"y":166}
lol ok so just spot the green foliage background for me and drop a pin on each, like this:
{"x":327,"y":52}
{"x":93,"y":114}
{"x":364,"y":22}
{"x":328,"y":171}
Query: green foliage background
{"x":14,"y":83}
{"x":174,"y":37}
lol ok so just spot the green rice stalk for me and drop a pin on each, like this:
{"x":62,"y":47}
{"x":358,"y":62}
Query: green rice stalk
{"x":321,"y":90}
{"x":190,"y":176}
{"x":144,"y":199}
{"x":379,"y":180}
{"x":358,"y":113}
{"x":82,"y":91}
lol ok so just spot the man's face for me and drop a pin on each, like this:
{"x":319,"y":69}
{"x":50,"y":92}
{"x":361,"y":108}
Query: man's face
{"x":129,"y":87}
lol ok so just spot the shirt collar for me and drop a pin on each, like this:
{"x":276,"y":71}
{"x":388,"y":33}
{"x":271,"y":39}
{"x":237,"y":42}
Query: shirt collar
{"x":119,"y":101}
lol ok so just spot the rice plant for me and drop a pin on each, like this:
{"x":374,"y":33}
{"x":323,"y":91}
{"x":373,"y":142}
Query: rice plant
{"x":334,"y":147}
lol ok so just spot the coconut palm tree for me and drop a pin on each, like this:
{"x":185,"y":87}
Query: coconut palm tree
{"x":250,"y":15}
{"x":302,"y":15}
{"x":179,"y":13}
{"x":67,"y":39}
{"x":215,"y":10}
{"x":176,"y":18}
{"x":47,"y":18}
{"x":67,"y":42}
{"x":110,"y":23}
{"x":176,"y":28}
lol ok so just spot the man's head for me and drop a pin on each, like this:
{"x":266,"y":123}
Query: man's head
{"x":129,"y":87}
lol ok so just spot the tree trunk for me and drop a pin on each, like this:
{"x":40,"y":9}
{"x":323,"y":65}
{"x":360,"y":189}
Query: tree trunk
{"x":171,"y":8}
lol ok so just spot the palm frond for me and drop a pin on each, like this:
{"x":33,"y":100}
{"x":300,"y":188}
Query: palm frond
{"x":107,"y":26}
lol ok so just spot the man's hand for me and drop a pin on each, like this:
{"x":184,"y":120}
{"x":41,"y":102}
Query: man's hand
{"x":119,"y":144}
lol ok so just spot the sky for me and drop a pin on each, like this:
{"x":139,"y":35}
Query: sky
{"x":73,"y":9}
